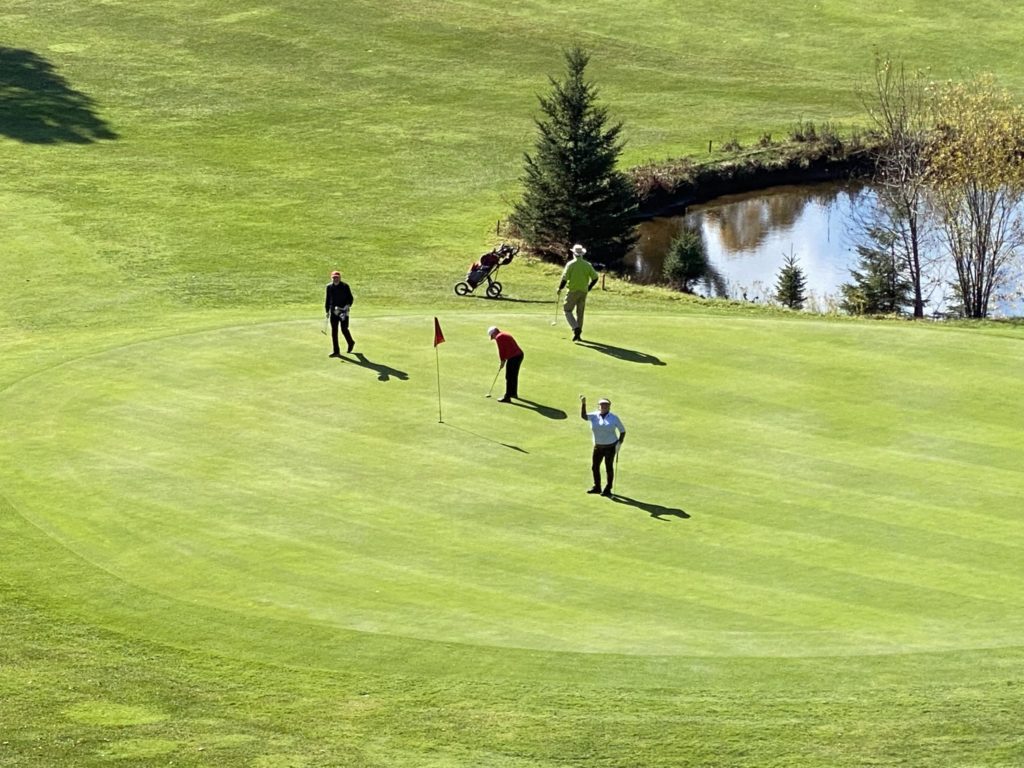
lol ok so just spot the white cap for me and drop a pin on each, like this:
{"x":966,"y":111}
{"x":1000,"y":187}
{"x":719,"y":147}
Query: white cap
{"x":578,"y":250}
{"x":604,"y":400}
{"x":491,"y":331}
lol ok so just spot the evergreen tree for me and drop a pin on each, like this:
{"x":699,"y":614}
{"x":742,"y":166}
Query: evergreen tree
{"x":877,"y":287}
{"x":686,"y":264}
{"x":572,"y":190}
{"x":791,"y":284}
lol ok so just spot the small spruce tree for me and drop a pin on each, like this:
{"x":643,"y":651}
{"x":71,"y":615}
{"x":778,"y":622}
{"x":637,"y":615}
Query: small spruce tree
{"x":572,"y":190}
{"x":686,"y":264}
{"x":877,"y":287}
{"x":791,"y":284}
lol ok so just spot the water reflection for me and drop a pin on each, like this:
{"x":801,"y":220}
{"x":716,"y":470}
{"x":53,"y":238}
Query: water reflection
{"x":743,"y":224}
{"x":747,"y":237}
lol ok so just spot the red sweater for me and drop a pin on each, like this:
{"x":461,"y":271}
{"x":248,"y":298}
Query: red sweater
{"x":507,"y":346}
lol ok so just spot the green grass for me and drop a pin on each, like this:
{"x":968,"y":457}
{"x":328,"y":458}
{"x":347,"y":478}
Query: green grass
{"x":218,"y":547}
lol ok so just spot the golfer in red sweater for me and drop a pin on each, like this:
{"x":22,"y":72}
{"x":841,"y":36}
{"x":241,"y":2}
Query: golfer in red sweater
{"x":511,"y":357}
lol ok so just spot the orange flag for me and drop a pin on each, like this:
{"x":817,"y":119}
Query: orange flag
{"x":438,"y":336}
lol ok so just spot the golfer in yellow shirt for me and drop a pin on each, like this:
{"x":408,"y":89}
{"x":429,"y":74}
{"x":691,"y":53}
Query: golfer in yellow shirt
{"x":580,"y":276}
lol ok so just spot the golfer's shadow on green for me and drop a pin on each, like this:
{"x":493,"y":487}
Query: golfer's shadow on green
{"x":629,"y":355}
{"x":384,"y":372}
{"x":656,"y":511}
{"x":543,"y":410}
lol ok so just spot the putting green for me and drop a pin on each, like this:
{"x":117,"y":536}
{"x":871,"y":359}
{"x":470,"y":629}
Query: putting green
{"x":775,"y":501}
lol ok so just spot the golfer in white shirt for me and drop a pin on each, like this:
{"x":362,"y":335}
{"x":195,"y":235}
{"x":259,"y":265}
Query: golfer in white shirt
{"x":608,"y":434}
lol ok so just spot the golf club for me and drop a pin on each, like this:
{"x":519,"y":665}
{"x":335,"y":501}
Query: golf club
{"x":493,"y":382}
{"x":324,"y":326}
{"x":558,"y":297}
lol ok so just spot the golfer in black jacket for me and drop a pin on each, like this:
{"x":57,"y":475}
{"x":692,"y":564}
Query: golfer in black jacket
{"x":337,"y":303}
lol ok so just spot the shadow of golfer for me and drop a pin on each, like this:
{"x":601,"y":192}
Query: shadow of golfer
{"x":629,"y":355}
{"x":38,"y":106}
{"x":544,"y":410}
{"x":484,"y":437}
{"x":384,"y":372}
{"x":654,"y":510}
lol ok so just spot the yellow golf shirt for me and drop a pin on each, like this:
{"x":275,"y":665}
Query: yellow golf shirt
{"x":578,"y":274}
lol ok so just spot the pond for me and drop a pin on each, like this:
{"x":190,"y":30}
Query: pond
{"x":747,"y":237}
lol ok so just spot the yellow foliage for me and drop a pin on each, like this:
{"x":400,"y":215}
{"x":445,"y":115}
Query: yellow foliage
{"x":979,"y":137}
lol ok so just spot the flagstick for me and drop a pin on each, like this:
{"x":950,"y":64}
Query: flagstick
{"x":437,"y":358}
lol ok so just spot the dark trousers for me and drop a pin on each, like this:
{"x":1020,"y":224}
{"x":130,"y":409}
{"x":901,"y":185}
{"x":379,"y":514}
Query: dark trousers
{"x":605,"y":453}
{"x":512,"y":376}
{"x":343,"y":322}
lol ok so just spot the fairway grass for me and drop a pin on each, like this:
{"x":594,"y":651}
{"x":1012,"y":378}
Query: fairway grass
{"x":218,"y":547}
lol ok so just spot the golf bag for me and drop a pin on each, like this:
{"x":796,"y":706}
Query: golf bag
{"x":485,"y":269}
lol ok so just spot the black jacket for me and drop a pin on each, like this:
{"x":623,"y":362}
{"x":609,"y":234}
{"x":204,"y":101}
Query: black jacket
{"x":339,"y":295}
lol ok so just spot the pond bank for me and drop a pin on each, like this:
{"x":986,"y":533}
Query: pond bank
{"x":670,"y":187}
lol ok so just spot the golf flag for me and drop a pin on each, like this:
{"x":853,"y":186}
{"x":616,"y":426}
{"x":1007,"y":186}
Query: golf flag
{"x":438,"y":336}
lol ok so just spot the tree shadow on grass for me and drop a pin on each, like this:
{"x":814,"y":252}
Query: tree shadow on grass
{"x":656,"y":511}
{"x":543,"y":410}
{"x":38,"y":106}
{"x":629,"y":355}
{"x":384,"y":372}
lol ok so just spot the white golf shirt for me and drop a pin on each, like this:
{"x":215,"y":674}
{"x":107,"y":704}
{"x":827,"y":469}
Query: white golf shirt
{"x":605,"y":427}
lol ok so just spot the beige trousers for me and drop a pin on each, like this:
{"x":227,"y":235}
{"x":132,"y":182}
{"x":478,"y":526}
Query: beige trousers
{"x":575,"y":302}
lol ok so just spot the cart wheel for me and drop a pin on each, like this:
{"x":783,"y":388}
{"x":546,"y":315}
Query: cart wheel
{"x":494,"y":290}
{"x":463,"y":289}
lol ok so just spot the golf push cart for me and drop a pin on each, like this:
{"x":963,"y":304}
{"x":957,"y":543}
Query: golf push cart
{"x":485,"y":269}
